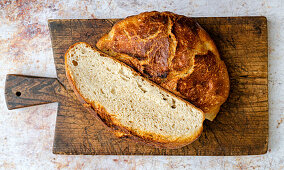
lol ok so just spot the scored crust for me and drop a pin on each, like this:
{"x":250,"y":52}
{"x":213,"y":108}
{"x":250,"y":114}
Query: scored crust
{"x":176,"y":53}
{"x":118,"y":129}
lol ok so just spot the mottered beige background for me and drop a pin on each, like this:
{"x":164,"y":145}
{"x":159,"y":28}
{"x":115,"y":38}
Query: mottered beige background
{"x":26,"y":135}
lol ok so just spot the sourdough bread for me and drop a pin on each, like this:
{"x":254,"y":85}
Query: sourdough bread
{"x":132,"y":106}
{"x":175,"y":52}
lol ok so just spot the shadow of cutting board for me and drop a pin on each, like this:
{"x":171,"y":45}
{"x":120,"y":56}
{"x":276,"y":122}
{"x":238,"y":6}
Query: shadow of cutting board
{"x":241,"y":127}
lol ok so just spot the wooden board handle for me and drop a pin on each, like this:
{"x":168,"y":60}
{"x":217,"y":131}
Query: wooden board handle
{"x":23,"y":91}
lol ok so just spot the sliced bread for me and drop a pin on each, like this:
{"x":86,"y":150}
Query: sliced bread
{"x":132,"y":106}
{"x":176,"y":53}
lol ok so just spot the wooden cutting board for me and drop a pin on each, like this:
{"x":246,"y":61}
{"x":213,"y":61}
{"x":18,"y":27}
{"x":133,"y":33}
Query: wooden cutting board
{"x":241,"y":127}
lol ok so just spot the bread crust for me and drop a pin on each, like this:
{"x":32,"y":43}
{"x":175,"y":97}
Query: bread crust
{"x":118,"y":129}
{"x":175,"y":52}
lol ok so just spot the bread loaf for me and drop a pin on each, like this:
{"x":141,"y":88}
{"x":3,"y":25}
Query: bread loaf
{"x":132,"y":106}
{"x":174,"y":52}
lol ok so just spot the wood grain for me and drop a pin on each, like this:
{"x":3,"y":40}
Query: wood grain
{"x":24,"y":91}
{"x":241,"y":127}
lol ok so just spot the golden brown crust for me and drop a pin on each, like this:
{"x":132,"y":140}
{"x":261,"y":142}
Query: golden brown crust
{"x":168,"y":48}
{"x":118,"y":129}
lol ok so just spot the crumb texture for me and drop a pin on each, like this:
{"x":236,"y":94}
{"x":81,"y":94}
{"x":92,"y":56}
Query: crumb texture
{"x":127,"y":97}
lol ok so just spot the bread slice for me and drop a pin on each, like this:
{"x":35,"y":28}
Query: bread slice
{"x":128,"y":103}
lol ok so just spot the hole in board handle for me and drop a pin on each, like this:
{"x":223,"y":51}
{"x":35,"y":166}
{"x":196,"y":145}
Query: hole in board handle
{"x":18,"y":93}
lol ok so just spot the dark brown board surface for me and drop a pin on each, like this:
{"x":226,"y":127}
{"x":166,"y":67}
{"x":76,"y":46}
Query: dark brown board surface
{"x":241,"y":127}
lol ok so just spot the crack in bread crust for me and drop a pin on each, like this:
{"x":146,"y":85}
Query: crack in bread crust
{"x":166,"y":48}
